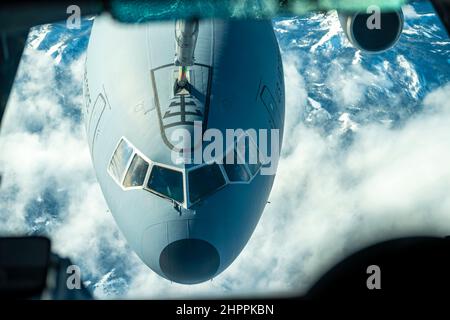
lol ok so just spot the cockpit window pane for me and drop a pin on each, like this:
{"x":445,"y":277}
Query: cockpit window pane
{"x":236,"y":172}
{"x":166,"y":182}
{"x":204,"y":180}
{"x":136,"y":173}
{"x":120,"y":160}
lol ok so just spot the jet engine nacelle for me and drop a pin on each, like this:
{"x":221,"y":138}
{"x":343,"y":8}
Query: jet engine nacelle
{"x":373,"y":30}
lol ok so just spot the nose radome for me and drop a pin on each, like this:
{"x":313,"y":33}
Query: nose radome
{"x":189,"y":261}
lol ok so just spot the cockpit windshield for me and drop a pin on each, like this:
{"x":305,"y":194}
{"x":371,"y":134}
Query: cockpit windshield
{"x":136,"y":173}
{"x":166,"y":182}
{"x":236,"y":172}
{"x":120,"y":160}
{"x":205,"y":180}
{"x":132,"y":170}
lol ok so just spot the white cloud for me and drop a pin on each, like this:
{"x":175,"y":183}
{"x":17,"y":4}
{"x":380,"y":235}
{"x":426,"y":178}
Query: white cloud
{"x":350,"y":83}
{"x":296,"y":94}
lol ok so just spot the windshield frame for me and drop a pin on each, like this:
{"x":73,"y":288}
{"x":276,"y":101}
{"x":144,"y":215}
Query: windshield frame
{"x":208,"y":194}
{"x":186,"y":203}
{"x":242,"y":160}
{"x":151,"y":164}
{"x":147,"y":178}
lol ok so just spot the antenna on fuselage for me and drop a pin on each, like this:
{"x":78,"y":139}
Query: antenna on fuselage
{"x":186,"y":33}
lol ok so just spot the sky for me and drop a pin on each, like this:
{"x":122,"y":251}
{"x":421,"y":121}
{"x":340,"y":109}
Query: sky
{"x":366,"y":178}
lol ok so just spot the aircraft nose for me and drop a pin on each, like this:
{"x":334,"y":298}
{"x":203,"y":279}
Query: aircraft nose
{"x":189,"y":261}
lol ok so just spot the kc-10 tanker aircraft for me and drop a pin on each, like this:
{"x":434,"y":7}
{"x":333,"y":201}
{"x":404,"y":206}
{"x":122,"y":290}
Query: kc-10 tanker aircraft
{"x":188,"y":222}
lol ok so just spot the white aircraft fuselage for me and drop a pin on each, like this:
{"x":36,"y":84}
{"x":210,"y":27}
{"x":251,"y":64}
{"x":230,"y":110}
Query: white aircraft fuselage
{"x":187,"y":222}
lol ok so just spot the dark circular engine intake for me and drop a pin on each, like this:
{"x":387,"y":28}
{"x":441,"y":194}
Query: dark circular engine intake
{"x":374,"y":30}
